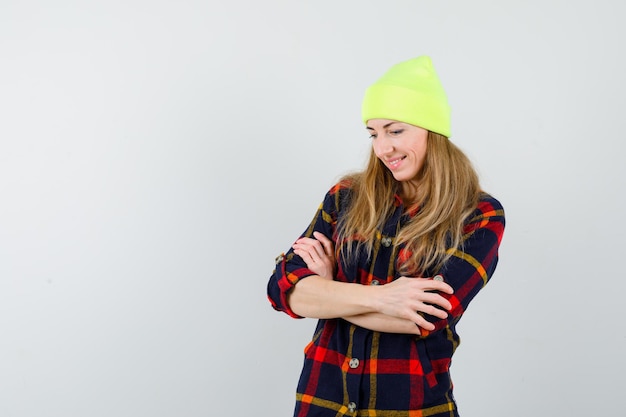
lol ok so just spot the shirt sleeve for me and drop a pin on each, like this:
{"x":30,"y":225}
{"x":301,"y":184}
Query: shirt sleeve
{"x":291,"y":268}
{"x":472,"y":265}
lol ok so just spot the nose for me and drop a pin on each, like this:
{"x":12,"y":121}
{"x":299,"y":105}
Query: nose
{"x":383,"y":145}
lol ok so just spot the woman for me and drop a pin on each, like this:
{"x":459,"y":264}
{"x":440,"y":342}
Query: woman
{"x":391,"y":261}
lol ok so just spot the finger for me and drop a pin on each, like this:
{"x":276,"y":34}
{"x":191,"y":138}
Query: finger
{"x":312,"y":245}
{"x":326,"y":242}
{"x":317,"y":246}
{"x":305,"y":255}
{"x":422,"y":322}
{"x":439,"y":285}
{"x":307,"y":241}
{"x":436,"y":299}
{"x":428,"y":284}
{"x":443,"y":287}
{"x":307,"y":245}
{"x":301,"y":250}
{"x":433,"y":311}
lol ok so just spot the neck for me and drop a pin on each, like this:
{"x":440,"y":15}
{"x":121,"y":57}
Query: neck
{"x":408,"y":192}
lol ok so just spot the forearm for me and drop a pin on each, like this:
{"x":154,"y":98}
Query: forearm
{"x":321,"y":298}
{"x":383,"y":323}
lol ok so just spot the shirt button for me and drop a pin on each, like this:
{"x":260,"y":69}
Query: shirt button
{"x":352,"y":406}
{"x":354,"y":363}
{"x":386,"y":241}
{"x":438,"y":278}
{"x":375,"y":282}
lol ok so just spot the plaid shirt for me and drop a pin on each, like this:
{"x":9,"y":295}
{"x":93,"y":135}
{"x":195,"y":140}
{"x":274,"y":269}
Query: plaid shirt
{"x":349,"y":370}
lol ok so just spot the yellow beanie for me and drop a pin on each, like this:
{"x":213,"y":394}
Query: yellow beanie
{"x":409,"y":92}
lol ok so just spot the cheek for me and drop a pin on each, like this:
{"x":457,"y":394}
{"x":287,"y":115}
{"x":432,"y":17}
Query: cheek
{"x":421,"y":153}
{"x":376,"y":150}
{"x":422,"y":160}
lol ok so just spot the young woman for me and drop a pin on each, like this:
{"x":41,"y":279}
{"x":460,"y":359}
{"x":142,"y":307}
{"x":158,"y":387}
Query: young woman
{"x":391,"y":261}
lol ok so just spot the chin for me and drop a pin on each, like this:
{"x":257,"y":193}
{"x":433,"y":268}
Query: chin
{"x":402,"y":178}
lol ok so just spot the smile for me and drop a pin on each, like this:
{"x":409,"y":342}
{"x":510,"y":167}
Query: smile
{"x":393,"y":163}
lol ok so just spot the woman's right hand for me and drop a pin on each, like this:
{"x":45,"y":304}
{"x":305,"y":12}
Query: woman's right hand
{"x":406,"y":297}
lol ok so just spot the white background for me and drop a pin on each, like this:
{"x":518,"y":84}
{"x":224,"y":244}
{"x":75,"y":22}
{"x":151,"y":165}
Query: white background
{"x":155,"y":156}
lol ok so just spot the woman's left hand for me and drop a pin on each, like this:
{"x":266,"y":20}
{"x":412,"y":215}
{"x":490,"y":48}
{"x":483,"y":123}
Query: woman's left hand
{"x":318,"y":254}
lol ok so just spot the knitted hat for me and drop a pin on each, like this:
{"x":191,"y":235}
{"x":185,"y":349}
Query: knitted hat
{"x":409,"y":92}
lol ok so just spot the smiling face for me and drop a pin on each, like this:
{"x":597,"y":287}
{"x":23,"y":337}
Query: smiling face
{"x":402,"y":148}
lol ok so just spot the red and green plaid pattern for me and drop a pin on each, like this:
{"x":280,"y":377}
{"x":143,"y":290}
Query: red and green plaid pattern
{"x":349,"y":370}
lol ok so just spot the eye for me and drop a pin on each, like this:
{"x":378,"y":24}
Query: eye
{"x":396,"y":132}
{"x":372,"y":136}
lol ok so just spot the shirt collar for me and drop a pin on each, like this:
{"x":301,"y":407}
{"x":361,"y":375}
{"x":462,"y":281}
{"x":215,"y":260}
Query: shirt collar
{"x":398,"y":203}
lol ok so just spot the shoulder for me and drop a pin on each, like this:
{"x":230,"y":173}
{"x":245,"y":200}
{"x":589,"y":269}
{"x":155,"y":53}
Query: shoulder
{"x":342,"y":189}
{"x":345,"y":185}
{"x":339,"y":195}
{"x":489,"y":206}
{"x":488,"y":215}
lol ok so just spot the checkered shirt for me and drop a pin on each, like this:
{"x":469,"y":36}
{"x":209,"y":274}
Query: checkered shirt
{"x":352,"y":371}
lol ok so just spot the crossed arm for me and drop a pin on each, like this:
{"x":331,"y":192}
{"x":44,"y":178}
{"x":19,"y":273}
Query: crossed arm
{"x":394,"y":307}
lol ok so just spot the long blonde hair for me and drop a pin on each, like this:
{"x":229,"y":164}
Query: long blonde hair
{"x":448,"y":191}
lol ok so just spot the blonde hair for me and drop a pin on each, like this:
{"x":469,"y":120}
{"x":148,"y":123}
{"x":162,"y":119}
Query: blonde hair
{"x":448,"y":191}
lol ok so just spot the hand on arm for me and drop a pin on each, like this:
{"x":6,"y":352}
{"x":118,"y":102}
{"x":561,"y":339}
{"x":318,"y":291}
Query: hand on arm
{"x":319,"y":296}
{"x":394,"y":307}
{"x":398,"y":305}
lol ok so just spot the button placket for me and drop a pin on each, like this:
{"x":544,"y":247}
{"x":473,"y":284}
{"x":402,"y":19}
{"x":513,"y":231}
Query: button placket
{"x":354,"y":370}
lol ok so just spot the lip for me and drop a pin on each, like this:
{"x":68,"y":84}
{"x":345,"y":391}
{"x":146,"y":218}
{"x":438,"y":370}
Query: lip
{"x":395,"y":163}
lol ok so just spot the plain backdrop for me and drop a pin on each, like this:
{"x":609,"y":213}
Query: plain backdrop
{"x":156,"y":156}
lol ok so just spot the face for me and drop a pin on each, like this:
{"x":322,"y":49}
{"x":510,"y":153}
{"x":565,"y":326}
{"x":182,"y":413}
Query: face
{"x":401,"y":147}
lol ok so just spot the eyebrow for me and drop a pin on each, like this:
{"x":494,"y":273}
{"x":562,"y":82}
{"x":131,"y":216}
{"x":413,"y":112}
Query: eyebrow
{"x":384,"y":127}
